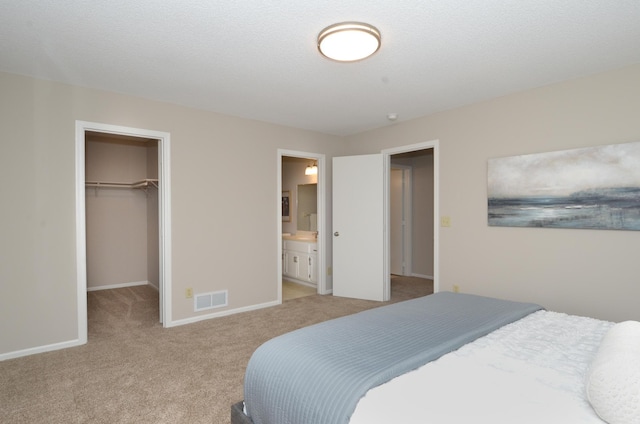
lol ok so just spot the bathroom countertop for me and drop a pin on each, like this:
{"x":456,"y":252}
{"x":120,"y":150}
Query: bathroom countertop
{"x":299,"y":238}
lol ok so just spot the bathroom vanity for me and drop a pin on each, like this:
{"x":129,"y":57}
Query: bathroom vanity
{"x":299,"y":259}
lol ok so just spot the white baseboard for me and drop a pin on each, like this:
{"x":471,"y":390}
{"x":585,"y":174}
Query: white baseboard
{"x":70,"y":343}
{"x":222,"y":314}
{"x":428,"y":277}
{"x":121,"y":285}
{"x":301,"y":282}
{"x":73,"y":343}
{"x":40,"y":349}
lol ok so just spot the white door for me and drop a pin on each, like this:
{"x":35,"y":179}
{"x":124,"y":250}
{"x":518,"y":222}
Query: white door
{"x":358,"y":227}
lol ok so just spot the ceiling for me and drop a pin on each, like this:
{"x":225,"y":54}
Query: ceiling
{"x":258,"y":59}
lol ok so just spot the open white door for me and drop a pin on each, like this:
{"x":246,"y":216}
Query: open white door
{"x":358,"y":227}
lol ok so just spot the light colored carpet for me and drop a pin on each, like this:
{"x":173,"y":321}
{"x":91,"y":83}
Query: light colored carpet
{"x":134,"y":371}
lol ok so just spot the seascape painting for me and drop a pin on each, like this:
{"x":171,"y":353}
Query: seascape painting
{"x":592,"y":188}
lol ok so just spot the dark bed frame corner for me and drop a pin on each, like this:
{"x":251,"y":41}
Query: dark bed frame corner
{"x":237,"y":414}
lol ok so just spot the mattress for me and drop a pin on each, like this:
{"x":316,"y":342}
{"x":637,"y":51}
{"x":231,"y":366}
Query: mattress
{"x":319,"y":373}
{"x":529,"y":371}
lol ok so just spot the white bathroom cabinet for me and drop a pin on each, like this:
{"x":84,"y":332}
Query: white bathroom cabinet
{"x":299,"y":260}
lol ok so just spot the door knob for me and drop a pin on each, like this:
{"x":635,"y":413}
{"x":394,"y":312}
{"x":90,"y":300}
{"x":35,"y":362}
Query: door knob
{"x":336,"y":234}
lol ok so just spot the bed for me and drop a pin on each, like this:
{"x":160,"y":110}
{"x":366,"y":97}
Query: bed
{"x":447,"y":358}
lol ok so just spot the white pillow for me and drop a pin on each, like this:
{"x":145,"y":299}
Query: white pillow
{"x":613,"y":379}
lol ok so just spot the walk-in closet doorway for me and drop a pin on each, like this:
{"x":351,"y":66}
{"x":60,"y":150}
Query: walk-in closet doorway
{"x":122,"y":217}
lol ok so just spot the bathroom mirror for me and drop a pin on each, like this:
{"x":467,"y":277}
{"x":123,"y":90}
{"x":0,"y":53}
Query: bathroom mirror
{"x":307,"y":210}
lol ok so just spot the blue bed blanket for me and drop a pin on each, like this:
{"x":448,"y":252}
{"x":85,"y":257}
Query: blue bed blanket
{"x":319,"y":373}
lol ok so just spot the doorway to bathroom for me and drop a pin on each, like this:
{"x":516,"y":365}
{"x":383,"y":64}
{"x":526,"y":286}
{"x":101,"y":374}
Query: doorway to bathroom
{"x":301,"y":223}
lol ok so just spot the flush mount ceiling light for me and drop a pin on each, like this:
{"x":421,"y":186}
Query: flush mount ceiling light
{"x":349,"y":41}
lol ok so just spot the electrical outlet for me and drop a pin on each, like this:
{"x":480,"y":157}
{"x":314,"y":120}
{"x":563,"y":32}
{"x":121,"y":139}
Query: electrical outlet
{"x":445,"y":221}
{"x":456,"y":288}
{"x":188,"y":293}
{"x":329,"y":271}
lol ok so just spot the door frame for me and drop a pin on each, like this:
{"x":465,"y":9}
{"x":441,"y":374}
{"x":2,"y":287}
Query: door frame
{"x":164,"y":217}
{"x":386,"y":155}
{"x":407,"y":227}
{"x":322,"y":218}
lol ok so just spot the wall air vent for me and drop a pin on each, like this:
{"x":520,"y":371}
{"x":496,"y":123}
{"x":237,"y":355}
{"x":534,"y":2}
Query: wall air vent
{"x":204,"y":301}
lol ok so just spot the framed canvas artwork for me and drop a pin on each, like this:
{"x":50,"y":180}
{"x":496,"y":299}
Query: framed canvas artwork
{"x":593,"y":187}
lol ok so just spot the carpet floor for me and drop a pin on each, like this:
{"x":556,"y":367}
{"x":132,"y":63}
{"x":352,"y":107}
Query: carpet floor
{"x":133,"y":370}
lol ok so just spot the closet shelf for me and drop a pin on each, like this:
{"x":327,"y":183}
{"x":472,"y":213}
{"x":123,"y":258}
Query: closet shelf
{"x":137,"y":184}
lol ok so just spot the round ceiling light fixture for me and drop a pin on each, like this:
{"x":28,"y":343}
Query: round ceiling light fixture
{"x":349,"y":41}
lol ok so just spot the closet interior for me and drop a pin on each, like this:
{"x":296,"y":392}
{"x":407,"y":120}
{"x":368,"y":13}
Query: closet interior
{"x":121,"y":199}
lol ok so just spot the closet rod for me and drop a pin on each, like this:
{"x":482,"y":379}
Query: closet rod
{"x":109,"y":184}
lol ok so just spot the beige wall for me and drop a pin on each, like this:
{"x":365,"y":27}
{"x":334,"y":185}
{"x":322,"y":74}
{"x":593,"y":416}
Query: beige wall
{"x":37,"y":258}
{"x":588,"y":272}
{"x":153,"y":239}
{"x":224,"y":213}
{"x":224,"y":233}
{"x":423,"y":214}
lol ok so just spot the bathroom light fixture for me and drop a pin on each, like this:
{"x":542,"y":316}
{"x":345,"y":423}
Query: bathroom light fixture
{"x":349,"y":41}
{"x":311,"y":170}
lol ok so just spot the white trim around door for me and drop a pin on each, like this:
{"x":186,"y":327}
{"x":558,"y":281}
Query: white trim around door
{"x":164,"y":217}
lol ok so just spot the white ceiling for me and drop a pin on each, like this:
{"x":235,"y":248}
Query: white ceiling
{"x":258,"y":59}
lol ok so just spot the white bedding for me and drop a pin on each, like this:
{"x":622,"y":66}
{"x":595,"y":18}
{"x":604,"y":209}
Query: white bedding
{"x":530,"y":371}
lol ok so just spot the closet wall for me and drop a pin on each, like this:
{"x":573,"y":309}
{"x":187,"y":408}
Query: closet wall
{"x":122,"y":223}
{"x":153,"y":235}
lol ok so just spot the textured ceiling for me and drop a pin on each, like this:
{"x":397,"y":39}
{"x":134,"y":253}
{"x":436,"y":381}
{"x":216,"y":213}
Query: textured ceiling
{"x":258,"y":59}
